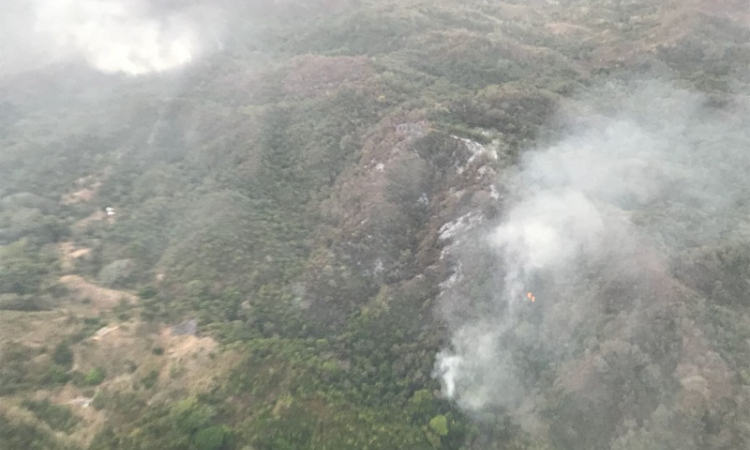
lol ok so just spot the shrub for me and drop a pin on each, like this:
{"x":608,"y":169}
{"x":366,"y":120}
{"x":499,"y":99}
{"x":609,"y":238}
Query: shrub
{"x":63,"y":355}
{"x":149,"y":380}
{"x":211,"y":438}
{"x":94,"y":377}
{"x":439,"y":424}
{"x":58,"y":417}
{"x":55,"y":375}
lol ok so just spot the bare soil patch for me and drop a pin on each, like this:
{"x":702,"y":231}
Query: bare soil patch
{"x":69,"y":254}
{"x":101,"y":298}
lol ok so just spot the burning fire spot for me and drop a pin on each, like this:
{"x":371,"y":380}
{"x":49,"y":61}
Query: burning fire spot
{"x":531,"y":297}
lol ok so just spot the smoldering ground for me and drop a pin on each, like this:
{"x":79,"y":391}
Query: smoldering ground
{"x":598,"y":228}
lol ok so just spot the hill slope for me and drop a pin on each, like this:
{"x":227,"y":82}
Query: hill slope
{"x":298,"y":255}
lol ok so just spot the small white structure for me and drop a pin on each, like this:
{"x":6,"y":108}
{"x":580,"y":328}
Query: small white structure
{"x":110,"y":211}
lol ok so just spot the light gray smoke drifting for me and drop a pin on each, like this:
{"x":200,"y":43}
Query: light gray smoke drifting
{"x":644,"y":173}
{"x":132,"y":37}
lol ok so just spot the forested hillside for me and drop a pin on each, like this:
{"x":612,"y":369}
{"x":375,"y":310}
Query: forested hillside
{"x":376,"y":224}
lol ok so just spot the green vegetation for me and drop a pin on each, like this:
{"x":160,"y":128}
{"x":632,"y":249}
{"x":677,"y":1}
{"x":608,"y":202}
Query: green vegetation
{"x":15,"y":367}
{"x":439,"y":425}
{"x":17,"y":433}
{"x":94,"y":376}
{"x":58,"y":417}
{"x":21,"y":268}
{"x":63,"y":355}
{"x":211,"y":438}
{"x":250,"y":198}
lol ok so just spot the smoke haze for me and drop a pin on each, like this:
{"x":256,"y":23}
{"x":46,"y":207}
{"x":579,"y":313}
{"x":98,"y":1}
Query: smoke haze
{"x":646,"y":173}
{"x":111,"y":36}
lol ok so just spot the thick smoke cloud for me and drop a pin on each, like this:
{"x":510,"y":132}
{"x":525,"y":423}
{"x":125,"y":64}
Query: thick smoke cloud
{"x":644,"y":173}
{"x":132,"y":37}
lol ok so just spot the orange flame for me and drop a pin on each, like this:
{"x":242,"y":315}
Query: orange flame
{"x":531,"y":297}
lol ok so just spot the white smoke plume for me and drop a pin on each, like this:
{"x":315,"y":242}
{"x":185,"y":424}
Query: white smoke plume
{"x":643,"y":173}
{"x":133,"y":37}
